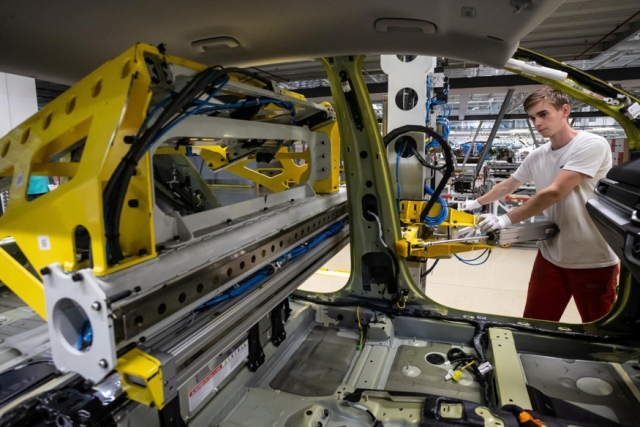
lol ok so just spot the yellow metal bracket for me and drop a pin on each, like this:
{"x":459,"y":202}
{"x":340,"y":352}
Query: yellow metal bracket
{"x":291,"y":172}
{"x":412,"y":245}
{"x":23,"y":283}
{"x":215,"y":156}
{"x":141,"y":378}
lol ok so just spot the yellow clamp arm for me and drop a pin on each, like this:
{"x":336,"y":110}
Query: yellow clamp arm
{"x":141,"y":378}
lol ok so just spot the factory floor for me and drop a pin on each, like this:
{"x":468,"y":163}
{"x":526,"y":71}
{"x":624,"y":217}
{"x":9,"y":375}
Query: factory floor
{"x":498,"y":286}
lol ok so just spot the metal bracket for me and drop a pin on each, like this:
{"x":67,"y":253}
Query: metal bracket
{"x":73,"y":301}
{"x":170,"y":415}
{"x":256,"y":354}
{"x":352,"y":100}
{"x":142,"y":378}
{"x":278,"y":334}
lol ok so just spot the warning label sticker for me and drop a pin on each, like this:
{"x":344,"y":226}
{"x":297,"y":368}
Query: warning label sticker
{"x":205,"y":387}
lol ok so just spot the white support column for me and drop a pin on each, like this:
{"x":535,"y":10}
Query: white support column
{"x":408,"y":75}
{"x":413,"y":176}
{"x":18,"y":100}
{"x":464,"y":102}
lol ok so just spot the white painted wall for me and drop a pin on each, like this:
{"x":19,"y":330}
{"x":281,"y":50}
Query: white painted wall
{"x":18,"y":100}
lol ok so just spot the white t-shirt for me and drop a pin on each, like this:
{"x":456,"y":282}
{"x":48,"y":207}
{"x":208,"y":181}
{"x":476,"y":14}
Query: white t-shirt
{"x":579,"y":244}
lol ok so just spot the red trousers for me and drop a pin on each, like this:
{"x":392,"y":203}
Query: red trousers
{"x":551,"y":288}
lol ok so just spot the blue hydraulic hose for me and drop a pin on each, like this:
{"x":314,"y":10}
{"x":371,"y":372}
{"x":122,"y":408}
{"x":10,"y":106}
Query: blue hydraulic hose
{"x":434,"y":221}
{"x":86,"y":336}
{"x":265,"y":272}
{"x":189,"y":114}
{"x":254,"y":102}
{"x":468,"y":262}
{"x":150,"y":116}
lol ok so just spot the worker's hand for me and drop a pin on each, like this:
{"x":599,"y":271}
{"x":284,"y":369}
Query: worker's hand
{"x":470,"y":205}
{"x":491,"y":222}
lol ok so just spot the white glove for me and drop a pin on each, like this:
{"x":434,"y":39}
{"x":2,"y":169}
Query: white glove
{"x":470,"y":205}
{"x":491,"y":222}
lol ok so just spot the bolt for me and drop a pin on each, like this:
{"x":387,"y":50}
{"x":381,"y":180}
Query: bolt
{"x":319,"y":424}
{"x":77,"y":277}
{"x":96,"y":306}
{"x":326,"y":413}
{"x":128,"y":139}
{"x":133,"y":203}
{"x":103,"y":363}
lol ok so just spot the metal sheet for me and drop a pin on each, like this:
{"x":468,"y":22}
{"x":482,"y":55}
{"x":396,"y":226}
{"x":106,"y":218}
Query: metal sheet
{"x":510,"y":385}
{"x":431,"y":378}
{"x":318,"y":367}
{"x":560,"y":378}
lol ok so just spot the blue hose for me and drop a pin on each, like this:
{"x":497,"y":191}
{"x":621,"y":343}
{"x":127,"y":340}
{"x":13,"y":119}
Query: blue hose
{"x":86,"y":336}
{"x":265,"y":272}
{"x":434,"y":221}
{"x":469,"y":261}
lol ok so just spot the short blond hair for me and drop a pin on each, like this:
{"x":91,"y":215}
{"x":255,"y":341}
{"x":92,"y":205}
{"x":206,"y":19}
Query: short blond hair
{"x":554,"y":97}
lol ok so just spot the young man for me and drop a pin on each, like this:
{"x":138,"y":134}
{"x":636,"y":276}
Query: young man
{"x":577,"y":262}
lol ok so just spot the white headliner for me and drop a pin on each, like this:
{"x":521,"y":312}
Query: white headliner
{"x":62,"y":41}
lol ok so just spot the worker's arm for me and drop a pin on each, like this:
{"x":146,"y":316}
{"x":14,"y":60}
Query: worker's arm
{"x":500,"y":191}
{"x":560,"y":187}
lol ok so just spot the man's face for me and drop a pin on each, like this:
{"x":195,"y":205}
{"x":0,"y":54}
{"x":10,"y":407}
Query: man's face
{"x":546,"y":119}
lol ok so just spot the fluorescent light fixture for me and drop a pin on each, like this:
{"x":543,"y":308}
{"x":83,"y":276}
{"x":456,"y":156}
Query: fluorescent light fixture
{"x":604,"y":129}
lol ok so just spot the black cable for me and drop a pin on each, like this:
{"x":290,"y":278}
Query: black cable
{"x":448,"y":171}
{"x":389,"y":310}
{"x":424,"y":162}
{"x":254,"y":76}
{"x":430,"y":269}
{"x":396,"y":267}
{"x":459,"y":356}
{"x":116,"y":189}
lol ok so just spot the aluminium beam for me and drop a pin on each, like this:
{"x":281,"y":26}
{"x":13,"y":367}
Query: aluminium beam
{"x":462,"y":109}
{"x":522,"y":116}
{"x":533,"y":135}
{"x":494,"y":131}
